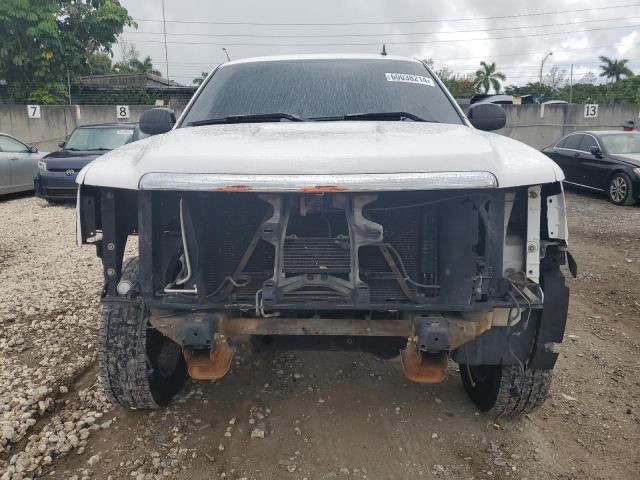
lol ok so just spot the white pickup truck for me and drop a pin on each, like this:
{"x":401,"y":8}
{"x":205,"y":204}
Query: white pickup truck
{"x":331,"y":202}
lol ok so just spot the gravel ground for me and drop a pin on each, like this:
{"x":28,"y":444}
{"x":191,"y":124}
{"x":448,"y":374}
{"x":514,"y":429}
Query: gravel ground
{"x":308,"y":415}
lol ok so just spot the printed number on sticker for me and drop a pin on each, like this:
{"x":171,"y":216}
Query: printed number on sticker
{"x":33,"y":111}
{"x":591,"y":110}
{"x":408,"y":78}
{"x":122,"y":111}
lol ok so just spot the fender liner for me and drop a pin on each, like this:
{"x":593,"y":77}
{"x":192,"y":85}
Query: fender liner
{"x":553,"y":319}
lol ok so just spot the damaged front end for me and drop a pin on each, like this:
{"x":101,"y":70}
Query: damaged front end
{"x":461,"y":272}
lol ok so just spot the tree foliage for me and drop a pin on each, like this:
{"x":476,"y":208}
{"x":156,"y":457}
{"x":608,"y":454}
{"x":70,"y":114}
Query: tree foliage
{"x":201,"y":78}
{"x":42,"y":42}
{"x":460,"y":86}
{"x":614,"y":69}
{"x":131,"y":62}
{"x":487,"y":77}
{"x":626,"y":90}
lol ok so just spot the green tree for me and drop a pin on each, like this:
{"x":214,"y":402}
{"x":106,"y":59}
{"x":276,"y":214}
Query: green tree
{"x":201,"y":78}
{"x":43,"y":41}
{"x":99,"y":63}
{"x":630,"y":91}
{"x":144,"y":66}
{"x":131,"y":62}
{"x":614,"y":69}
{"x":541,"y":91}
{"x":487,"y":76}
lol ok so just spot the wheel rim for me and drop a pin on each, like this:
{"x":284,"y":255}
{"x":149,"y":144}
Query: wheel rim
{"x":618,"y":189}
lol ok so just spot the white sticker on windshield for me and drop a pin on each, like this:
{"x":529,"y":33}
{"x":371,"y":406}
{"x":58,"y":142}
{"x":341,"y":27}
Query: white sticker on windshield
{"x":123,"y":132}
{"x":408,"y":78}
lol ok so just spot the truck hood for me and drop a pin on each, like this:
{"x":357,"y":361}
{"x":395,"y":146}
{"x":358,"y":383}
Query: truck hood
{"x":322,"y":148}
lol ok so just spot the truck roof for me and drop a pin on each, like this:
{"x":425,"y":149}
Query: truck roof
{"x":322,"y":56}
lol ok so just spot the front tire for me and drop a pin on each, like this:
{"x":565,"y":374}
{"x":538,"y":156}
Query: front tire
{"x":620,"y":190}
{"x":505,"y":390}
{"x":139,"y":367}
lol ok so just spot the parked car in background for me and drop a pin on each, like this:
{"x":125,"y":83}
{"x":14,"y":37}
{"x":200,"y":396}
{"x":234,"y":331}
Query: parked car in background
{"x":56,"y":179}
{"x":18,"y":164}
{"x":605,"y":161}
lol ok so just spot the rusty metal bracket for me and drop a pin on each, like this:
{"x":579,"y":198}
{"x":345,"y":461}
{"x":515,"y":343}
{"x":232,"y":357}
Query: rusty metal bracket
{"x":422,"y":367}
{"x":209,"y":364}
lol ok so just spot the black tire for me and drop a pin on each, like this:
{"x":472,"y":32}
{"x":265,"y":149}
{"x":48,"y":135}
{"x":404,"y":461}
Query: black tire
{"x":503,"y":390}
{"x":620,"y":189}
{"x":139,"y":367}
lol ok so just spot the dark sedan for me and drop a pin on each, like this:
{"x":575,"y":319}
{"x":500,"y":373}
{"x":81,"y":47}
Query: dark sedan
{"x":605,"y":161}
{"x":56,"y":179}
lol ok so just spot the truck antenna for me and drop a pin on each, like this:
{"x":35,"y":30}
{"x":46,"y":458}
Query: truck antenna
{"x":384,"y":50}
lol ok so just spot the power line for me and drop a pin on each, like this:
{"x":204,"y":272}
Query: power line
{"x":487,"y":57}
{"x":436,"y":68}
{"x":343,"y":35}
{"x":408,"y":42}
{"x":393,"y":22}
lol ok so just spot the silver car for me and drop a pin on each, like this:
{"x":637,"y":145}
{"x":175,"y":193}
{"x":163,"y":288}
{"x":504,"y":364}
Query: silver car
{"x":18,"y":164}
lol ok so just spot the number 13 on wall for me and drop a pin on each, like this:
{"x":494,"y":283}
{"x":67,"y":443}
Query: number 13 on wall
{"x":122,"y":111}
{"x":591,"y":110}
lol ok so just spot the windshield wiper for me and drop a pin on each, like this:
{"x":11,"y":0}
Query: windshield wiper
{"x":261,"y":117}
{"x":377,"y":116}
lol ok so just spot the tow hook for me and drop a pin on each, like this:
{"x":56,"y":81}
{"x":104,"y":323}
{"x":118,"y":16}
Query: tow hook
{"x":423,"y":367}
{"x":425,"y":358}
{"x":210,"y":364}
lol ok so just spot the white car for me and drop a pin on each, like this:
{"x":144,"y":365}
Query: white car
{"x":329,"y":202}
{"x":18,"y":164}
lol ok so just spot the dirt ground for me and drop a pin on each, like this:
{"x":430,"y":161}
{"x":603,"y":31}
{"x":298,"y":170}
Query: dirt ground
{"x":309,"y":415}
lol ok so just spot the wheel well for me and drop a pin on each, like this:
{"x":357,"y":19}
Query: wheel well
{"x":615,"y":172}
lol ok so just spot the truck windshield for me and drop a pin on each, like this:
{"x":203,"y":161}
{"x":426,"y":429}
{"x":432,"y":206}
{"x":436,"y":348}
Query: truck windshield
{"x":322,"y":89}
{"x":96,"y":138}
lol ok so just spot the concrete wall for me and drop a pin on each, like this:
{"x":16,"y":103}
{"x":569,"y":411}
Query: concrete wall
{"x":58,"y":121}
{"x":541,"y":125}
{"x":535,"y":125}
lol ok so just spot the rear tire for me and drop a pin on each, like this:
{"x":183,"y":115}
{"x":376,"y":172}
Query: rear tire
{"x":139,"y":367}
{"x":503,"y":390}
{"x":620,"y":190}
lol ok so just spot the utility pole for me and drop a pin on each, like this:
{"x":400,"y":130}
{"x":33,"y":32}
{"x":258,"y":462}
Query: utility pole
{"x":166,"y":55}
{"x":542,"y":65}
{"x":226,"y":53}
{"x":69,"y":85}
{"x":571,"y":84}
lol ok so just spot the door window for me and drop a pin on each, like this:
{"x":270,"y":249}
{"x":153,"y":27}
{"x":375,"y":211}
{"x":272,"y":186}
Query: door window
{"x":587,"y":142}
{"x":572,"y":142}
{"x":8,"y":144}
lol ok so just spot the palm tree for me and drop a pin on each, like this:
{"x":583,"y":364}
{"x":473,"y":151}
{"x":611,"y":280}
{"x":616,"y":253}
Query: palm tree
{"x":201,"y":78}
{"x":487,"y":77}
{"x":147,"y":66}
{"x":614,"y":69}
{"x":144,"y":66}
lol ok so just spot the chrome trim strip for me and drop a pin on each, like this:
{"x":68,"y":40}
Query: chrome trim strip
{"x":365,"y":182}
{"x":584,"y":186}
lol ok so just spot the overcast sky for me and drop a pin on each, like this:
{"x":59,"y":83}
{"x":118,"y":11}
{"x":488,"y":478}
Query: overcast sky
{"x":577,"y":37}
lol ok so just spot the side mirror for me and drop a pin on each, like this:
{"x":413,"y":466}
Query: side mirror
{"x":156,"y":121}
{"x":487,"y":116}
{"x":62,"y":144}
{"x":595,"y":151}
{"x":32,"y":149}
